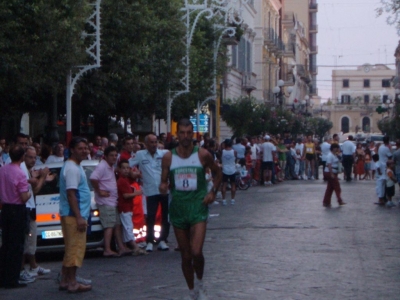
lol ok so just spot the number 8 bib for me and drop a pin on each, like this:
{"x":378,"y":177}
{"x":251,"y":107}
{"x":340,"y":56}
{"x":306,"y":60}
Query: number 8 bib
{"x":186,"y":182}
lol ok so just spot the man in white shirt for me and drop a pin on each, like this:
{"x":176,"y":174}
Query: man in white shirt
{"x":254,"y":152}
{"x":149,"y":163}
{"x":35,"y":184}
{"x":325,"y":150}
{"x":348,"y":151}
{"x":384,"y":153}
{"x":239,"y":148}
{"x":300,"y":146}
{"x":268,"y":149}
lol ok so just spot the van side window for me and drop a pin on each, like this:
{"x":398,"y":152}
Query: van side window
{"x":54,"y":187}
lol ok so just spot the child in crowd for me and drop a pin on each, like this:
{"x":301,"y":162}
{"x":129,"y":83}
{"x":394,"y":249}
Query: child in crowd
{"x":297,"y":163}
{"x":249,"y":161}
{"x":367,"y":164}
{"x":126,"y":195}
{"x":390,"y":183}
{"x":380,"y":180}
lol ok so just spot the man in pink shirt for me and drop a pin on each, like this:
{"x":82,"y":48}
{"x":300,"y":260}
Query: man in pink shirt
{"x":14,"y":192}
{"x":106,"y":196}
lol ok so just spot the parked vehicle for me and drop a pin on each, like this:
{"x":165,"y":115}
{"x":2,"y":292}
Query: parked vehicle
{"x":49,"y":234}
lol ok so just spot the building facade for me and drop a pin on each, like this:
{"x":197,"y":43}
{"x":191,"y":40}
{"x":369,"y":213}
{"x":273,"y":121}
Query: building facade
{"x":357,"y":93}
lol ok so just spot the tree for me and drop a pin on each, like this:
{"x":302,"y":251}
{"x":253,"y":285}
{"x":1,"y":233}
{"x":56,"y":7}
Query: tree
{"x":391,"y":7}
{"x":246,"y":116}
{"x":40,"y":41}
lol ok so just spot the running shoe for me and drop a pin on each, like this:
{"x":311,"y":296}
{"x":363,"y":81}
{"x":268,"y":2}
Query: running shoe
{"x":38,"y":271}
{"x":202,"y":295}
{"x":232,"y":201}
{"x":149,"y":247}
{"x":25,"y":278}
{"x":390,"y":204}
{"x":224,"y":202}
{"x":162,"y":246}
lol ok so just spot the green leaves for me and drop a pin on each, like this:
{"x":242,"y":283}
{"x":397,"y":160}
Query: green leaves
{"x":246,"y":116}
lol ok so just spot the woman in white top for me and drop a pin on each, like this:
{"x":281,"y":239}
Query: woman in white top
{"x":331,"y":174}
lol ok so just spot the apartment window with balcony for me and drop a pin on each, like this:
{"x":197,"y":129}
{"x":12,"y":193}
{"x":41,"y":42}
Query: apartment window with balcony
{"x":366,"y":83}
{"x":346,"y":83}
{"x":241,"y":56}
{"x":366,"y":99}
{"x":385,"y":82}
{"x":345,"y":99}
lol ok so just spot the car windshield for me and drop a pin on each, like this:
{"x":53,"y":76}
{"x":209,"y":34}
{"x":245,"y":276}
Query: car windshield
{"x":53,"y":187}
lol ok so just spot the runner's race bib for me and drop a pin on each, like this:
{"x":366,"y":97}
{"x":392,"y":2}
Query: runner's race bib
{"x":186,"y":182}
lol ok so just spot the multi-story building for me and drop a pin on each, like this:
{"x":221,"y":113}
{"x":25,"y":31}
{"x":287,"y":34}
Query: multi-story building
{"x":356,"y":95}
{"x":298,"y":67}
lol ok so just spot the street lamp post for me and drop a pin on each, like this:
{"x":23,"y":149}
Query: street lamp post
{"x":93,"y":51}
{"x":306,"y":102}
{"x":228,"y":14}
{"x":279,"y":93}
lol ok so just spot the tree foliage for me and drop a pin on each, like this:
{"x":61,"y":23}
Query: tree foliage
{"x":392,"y":8}
{"x":246,"y":116}
{"x":39,"y":42}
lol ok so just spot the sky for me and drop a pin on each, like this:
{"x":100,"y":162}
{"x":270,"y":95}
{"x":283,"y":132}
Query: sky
{"x":351,"y":34}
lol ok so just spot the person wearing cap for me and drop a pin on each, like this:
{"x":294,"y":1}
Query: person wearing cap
{"x":268,"y":149}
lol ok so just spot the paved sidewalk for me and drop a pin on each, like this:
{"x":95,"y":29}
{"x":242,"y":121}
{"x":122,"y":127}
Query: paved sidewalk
{"x":276,"y":242}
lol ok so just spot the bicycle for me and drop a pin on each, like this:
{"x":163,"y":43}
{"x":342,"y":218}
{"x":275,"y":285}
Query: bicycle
{"x":243,"y":180}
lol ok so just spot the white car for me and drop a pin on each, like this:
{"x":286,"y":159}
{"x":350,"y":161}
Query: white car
{"x":49,"y":234}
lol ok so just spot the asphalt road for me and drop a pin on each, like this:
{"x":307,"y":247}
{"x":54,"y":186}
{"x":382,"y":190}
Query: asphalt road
{"x":275,"y":243}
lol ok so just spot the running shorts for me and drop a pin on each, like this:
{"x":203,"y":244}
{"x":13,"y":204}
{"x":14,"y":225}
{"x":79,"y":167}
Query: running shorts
{"x":184,"y":214}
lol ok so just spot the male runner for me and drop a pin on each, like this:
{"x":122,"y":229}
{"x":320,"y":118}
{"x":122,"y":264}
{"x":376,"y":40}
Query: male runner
{"x":184,"y":168}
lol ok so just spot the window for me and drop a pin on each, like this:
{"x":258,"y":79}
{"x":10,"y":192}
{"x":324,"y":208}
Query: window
{"x":346,"y":83}
{"x":385,"y":82}
{"x":366,"y":99}
{"x":242,"y":56}
{"x":385,"y":99}
{"x":345,"y":124}
{"x":366,"y":124}
{"x":345,"y":99}
{"x":366,"y":83}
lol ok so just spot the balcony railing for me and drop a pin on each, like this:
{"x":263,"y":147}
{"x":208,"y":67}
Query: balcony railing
{"x":272,"y":40}
{"x":313,"y":28}
{"x":313,"y":69}
{"x":313,"y":49}
{"x":314,"y":7}
{"x":249,"y":82}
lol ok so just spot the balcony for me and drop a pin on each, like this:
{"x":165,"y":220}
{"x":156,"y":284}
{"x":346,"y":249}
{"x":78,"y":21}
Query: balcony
{"x":313,"y":49}
{"x":269,"y":37}
{"x":273,"y":42}
{"x":313,"y":7}
{"x":287,"y":74}
{"x":313,"y":28}
{"x":289,"y":50}
{"x":313,"y":91}
{"x":249,"y":82}
{"x":313,"y":70}
{"x":303,"y":73}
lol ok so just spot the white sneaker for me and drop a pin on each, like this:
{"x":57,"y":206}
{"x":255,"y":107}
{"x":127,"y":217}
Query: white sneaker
{"x":390,"y":204}
{"x":218,"y":196}
{"x":39,"y":271}
{"x":232,"y":201}
{"x":24,"y":277}
{"x":224,"y":202}
{"x":215,"y":202}
{"x":149,"y":247}
{"x":202,"y":295}
{"x":312,"y":178}
{"x":162,"y":246}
